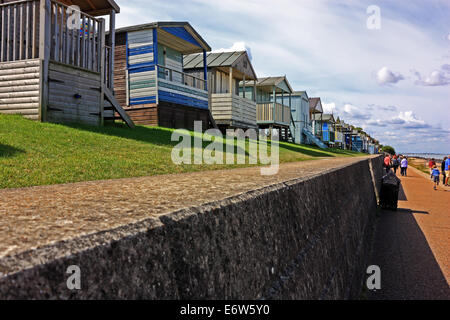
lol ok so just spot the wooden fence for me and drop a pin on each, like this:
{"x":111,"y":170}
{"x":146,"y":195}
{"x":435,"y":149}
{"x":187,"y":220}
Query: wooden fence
{"x":19,"y":30}
{"x":74,"y":37}
{"x":265,"y":113}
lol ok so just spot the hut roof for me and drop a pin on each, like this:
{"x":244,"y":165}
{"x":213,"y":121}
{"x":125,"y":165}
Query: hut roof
{"x":314,"y":105}
{"x":91,"y":7}
{"x":163,"y":32}
{"x":221,"y":60}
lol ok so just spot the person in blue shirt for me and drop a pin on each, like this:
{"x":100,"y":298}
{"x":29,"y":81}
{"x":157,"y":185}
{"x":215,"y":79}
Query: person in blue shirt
{"x":447,"y":170}
{"x":435,"y":174}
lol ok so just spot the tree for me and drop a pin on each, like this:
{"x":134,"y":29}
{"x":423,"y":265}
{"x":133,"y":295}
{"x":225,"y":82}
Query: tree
{"x":389,"y":150}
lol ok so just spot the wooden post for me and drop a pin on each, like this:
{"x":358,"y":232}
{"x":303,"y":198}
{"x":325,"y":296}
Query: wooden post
{"x":274,"y":97}
{"x":112,"y":43}
{"x":282,"y":106}
{"x":243,"y":81}
{"x":231,"y":81}
{"x":205,"y":70}
{"x":44,"y":55}
{"x":3,"y":37}
{"x":21,"y":31}
{"x":101,"y":46}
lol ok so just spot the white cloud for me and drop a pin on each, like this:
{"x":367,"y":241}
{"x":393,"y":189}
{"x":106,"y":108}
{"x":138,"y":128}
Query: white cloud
{"x":435,"y":78}
{"x":329,"y":107}
{"x":386,"y":76}
{"x":237,"y":46}
{"x":355,"y":113}
{"x":411,"y":121}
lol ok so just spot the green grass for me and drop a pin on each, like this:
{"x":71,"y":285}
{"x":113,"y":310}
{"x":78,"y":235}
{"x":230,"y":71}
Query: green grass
{"x":33,"y":153}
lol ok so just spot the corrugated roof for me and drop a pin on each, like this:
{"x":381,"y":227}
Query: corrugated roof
{"x":323,"y":117}
{"x":213,"y":59}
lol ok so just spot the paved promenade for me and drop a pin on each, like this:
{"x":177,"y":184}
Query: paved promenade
{"x":412,"y":245}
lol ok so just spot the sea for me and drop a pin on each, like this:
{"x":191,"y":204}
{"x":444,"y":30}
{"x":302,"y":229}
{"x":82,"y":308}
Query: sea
{"x":437,"y":156}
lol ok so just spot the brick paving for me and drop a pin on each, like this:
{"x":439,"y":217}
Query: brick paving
{"x":39,"y":216}
{"x":412,"y":245}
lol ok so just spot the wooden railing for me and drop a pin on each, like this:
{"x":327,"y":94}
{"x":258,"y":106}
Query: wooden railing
{"x":227,"y":106}
{"x":75,"y":42}
{"x":181,"y":78}
{"x":265,"y":113}
{"x":19,"y":30}
{"x":108,"y":72}
{"x":73,"y":37}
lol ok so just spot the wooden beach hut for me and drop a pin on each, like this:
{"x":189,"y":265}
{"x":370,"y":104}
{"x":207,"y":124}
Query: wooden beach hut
{"x":347,"y":133}
{"x":300,"y":115}
{"x":150,"y":79}
{"x":55,"y":63}
{"x":339,"y":133}
{"x":271,"y":112}
{"x":315,"y":114}
{"x":231,"y":106}
{"x":326,"y":122}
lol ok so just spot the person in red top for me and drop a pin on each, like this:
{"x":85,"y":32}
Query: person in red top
{"x":431,"y":164}
{"x":387,"y":163}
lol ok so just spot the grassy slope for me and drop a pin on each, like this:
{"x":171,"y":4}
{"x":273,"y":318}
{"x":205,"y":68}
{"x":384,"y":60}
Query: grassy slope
{"x":33,"y":153}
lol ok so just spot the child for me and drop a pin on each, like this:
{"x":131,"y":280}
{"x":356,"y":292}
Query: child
{"x":436,"y":174}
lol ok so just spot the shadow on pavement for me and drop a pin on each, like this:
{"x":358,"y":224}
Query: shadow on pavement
{"x":402,"y":194}
{"x":409,"y":269}
{"x":401,"y":210}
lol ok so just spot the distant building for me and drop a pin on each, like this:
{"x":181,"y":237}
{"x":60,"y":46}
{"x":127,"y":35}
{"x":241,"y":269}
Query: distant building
{"x":326,"y":123}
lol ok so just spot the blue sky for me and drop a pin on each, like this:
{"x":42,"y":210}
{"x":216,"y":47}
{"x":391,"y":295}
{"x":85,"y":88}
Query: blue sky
{"x":393,"y":81}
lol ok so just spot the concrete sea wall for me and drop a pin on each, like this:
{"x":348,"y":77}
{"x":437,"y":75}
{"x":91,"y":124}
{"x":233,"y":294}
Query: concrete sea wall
{"x":301,"y":239}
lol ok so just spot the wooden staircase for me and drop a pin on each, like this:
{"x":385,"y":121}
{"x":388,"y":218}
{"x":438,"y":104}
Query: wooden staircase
{"x":286,"y":135}
{"x":118,"y":112}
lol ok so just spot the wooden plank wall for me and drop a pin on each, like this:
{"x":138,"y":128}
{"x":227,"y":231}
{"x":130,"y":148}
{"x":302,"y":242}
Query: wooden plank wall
{"x":64,"y":83}
{"x":234,"y":110}
{"x":172,"y":115}
{"x":146,"y":114}
{"x":19,"y":88}
{"x":141,"y":64}
{"x":120,"y":70}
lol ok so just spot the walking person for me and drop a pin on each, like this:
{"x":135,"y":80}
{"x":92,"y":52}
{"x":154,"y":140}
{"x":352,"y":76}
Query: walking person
{"x":404,"y":166}
{"x":387,"y":163}
{"x":443,"y":170}
{"x":431,"y":165}
{"x":447,"y":170}
{"x":435,"y":174}
{"x":395,"y":164}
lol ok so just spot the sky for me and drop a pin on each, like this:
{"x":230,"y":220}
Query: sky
{"x":382,"y":65}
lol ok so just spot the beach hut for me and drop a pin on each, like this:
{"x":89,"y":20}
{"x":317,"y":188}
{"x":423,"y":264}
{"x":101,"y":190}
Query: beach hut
{"x":347,"y":133}
{"x":55,"y":63}
{"x":150,"y":81}
{"x":339,"y":134}
{"x":300,"y":115}
{"x":326,"y":122}
{"x":357,"y":143}
{"x":231,"y":106}
{"x":271,"y":112}
{"x":315,"y":114}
